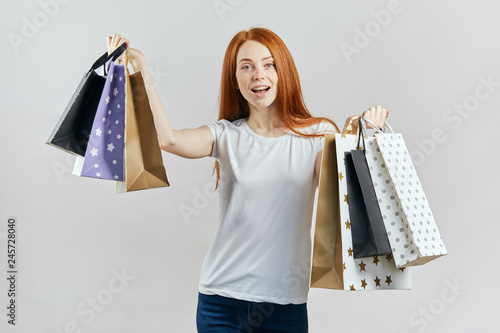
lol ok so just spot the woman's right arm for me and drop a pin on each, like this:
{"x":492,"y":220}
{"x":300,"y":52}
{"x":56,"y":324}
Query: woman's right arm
{"x":188,"y":143}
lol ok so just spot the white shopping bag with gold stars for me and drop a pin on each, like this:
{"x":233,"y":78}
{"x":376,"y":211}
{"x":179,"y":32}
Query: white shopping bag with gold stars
{"x":334,"y":266}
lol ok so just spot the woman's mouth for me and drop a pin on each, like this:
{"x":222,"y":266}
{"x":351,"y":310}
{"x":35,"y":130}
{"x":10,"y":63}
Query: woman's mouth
{"x":260,"y":91}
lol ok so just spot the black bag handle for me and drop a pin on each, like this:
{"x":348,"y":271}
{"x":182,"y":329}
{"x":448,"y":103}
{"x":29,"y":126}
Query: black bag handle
{"x":361,"y":132}
{"x":105,"y":57}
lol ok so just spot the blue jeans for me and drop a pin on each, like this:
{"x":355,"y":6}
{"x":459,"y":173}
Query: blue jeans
{"x":218,"y":314}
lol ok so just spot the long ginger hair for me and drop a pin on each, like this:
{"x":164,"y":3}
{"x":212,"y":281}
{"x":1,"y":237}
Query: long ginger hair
{"x":292,"y":110}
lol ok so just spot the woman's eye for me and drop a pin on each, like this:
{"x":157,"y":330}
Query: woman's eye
{"x":270,"y":65}
{"x":246,"y":67}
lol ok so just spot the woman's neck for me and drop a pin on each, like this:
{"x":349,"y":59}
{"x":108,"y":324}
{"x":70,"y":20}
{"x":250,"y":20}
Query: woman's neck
{"x":266,"y":122}
{"x":264,"y":119}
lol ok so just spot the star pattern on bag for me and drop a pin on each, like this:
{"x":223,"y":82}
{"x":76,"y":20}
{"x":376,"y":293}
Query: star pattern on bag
{"x":362,"y":266}
{"x":388,"y":280}
{"x":106,"y":149}
{"x":347,"y":225}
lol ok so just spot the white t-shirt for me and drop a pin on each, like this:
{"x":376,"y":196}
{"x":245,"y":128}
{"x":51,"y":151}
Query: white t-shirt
{"x":262,"y":249}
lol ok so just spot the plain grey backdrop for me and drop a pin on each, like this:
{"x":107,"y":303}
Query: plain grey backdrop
{"x":91,"y":260}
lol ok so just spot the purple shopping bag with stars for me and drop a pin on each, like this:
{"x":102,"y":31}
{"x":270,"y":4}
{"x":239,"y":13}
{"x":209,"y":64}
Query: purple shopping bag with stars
{"x":105,"y":150}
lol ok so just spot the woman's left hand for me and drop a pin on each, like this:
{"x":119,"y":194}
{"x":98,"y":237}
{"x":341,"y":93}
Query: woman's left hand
{"x":376,"y":114}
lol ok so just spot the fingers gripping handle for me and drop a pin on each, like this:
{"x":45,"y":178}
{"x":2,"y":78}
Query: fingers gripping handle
{"x":362,"y":129}
{"x":366,"y":120}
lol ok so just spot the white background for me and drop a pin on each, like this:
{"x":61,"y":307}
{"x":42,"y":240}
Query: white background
{"x":76,"y":233}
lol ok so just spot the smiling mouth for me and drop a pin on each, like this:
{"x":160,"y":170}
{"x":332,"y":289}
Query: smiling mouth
{"x":260,"y":91}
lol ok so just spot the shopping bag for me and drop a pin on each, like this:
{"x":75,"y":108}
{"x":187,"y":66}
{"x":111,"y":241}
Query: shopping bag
{"x":144,"y":167}
{"x":333,"y":264}
{"x":104,"y":155}
{"x":369,"y":236}
{"x":411,"y":228}
{"x":72,"y":131}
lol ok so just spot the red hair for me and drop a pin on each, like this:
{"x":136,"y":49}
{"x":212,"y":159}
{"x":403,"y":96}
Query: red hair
{"x":292,"y":110}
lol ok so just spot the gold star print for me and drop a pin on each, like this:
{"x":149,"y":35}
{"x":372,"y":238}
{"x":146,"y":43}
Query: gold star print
{"x":377,"y":281}
{"x":402,"y":269}
{"x":345,"y":198}
{"x":352,"y":287}
{"x":349,"y":251}
{"x":345,"y":267}
{"x":341,"y":176}
{"x":347,"y":225}
{"x":363,"y":283}
{"x":388,"y":280}
{"x":342,"y":135}
{"x":375,"y":260}
{"x":362,"y":266}
{"x":389,"y":257}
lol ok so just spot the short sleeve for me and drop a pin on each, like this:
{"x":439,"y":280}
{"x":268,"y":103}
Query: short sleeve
{"x":216,"y":128}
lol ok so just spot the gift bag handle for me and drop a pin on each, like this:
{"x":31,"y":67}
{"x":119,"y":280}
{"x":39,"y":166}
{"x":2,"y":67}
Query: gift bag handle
{"x":106,"y":57}
{"x":362,"y":129}
{"x":379,"y":130}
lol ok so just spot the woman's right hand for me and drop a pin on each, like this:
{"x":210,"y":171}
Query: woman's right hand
{"x":136,"y":57}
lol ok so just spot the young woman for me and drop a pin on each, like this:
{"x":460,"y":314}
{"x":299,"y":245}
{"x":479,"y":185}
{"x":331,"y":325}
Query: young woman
{"x":268,"y":150}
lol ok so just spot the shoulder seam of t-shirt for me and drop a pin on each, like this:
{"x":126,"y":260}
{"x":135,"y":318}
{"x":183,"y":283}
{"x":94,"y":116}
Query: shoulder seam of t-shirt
{"x":323,"y":127}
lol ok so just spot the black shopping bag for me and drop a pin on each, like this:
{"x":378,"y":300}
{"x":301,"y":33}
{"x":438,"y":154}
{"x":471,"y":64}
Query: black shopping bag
{"x":369,"y":236}
{"x":71,"y":133}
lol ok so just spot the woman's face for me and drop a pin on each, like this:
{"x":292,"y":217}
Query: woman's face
{"x":256,"y":75}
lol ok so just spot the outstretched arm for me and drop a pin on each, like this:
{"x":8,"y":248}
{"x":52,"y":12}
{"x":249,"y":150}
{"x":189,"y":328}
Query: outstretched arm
{"x":188,"y":143}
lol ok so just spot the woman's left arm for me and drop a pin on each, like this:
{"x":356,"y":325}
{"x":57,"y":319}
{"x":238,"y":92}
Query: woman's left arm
{"x":376,"y":114}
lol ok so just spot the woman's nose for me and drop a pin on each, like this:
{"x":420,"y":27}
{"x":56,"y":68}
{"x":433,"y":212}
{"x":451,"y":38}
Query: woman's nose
{"x":259,"y":74}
